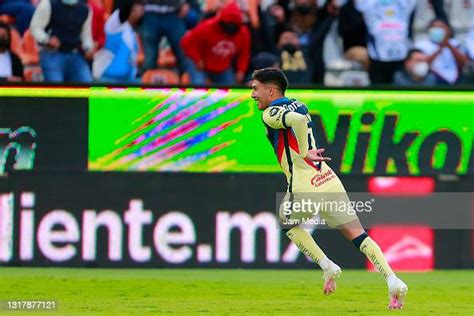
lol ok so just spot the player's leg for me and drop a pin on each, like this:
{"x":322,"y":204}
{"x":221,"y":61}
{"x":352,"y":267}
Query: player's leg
{"x":308,"y":246}
{"x":349,"y":225}
{"x":304,"y":241}
{"x":354,"y":232}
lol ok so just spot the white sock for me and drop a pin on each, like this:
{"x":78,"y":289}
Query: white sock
{"x":391,"y":279}
{"x":325,"y":264}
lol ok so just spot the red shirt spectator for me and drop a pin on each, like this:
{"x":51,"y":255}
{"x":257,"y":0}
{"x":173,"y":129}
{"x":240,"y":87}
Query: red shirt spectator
{"x":214,"y":44}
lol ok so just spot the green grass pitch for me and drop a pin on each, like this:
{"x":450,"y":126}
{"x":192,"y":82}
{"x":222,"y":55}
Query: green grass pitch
{"x":230,"y":292}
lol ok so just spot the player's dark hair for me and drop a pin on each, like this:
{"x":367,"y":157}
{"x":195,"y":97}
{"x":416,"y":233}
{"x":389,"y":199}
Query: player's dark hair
{"x":271,"y":75}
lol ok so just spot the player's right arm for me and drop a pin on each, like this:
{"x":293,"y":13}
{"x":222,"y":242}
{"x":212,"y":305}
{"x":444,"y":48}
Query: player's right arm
{"x":277,"y":117}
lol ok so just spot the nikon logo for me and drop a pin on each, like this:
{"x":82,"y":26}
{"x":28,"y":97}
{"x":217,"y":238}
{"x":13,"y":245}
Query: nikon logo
{"x":17,"y":148}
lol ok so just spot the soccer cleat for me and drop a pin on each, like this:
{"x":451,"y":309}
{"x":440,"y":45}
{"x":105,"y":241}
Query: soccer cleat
{"x":397,"y":292}
{"x":329,"y":278}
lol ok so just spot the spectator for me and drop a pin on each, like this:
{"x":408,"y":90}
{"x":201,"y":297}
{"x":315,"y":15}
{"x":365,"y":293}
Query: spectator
{"x":302,"y":19}
{"x":21,"y":10}
{"x":292,"y":60}
{"x":273,"y":14}
{"x":62,"y":28}
{"x":470,"y":43}
{"x":117,"y":62}
{"x":416,"y":71}
{"x":98,"y":22}
{"x":251,"y":10}
{"x":445,"y":56}
{"x":194,"y":14}
{"x":263,"y":60}
{"x":260,"y":61}
{"x":439,"y":11}
{"x":215,"y":45}
{"x":388,"y":41}
{"x":326,"y":16}
{"x":469,"y":48}
{"x":211,"y":7}
{"x":353,"y":32}
{"x":164,"y":18}
{"x":11,"y":68}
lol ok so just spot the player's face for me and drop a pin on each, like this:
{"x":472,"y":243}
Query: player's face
{"x":262,"y":94}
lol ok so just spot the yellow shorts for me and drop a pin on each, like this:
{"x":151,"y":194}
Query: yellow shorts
{"x":320,"y":196}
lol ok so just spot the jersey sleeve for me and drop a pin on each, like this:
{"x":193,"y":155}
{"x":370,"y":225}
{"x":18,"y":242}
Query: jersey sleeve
{"x":279,"y":118}
{"x":275,"y":117}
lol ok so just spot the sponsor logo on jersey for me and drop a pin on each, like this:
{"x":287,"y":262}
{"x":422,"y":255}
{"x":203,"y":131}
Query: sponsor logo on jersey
{"x":320,"y":179}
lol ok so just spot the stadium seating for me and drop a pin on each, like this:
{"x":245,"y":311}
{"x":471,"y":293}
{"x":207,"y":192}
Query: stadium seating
{"x":160,"y":76}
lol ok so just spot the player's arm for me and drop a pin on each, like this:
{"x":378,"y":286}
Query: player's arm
{"x":278,"y":117}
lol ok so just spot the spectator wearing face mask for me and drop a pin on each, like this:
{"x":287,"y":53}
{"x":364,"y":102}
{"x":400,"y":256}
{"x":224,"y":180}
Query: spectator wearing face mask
{"x":11,"y":68}
{"x":292,"y":60}
{"x":302,"y":20}
{"x":63,"y":30}
{"x":444,"y":52}
{"x":388,"y":41}
{"x":215,"y":45}
{"x":416,"y":71}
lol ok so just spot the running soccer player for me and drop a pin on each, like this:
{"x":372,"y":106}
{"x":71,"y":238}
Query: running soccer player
{"x":289,"y":130}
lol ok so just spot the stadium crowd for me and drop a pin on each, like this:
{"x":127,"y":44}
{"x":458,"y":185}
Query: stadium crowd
{"x":331,"y":42}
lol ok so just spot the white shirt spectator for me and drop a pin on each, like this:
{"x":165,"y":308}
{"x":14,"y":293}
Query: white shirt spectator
{"x":113,"y":26}
{"x":469,"y":43}
{"x":388,"y":24}
{"x":104,"y":57}
{"x":444,"y":65}
{"x":5,"y":65}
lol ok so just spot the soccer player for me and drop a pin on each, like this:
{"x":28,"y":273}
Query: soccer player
{"x":289,"y":130}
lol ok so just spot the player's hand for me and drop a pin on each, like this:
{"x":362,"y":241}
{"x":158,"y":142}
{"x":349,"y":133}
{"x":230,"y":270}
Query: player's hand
{"x":315,"y":155}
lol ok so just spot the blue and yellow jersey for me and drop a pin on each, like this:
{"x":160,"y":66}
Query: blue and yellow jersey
{"x":290,"y":132}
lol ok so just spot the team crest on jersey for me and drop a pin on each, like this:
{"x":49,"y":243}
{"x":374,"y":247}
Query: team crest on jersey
{"x":273,"y":111}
